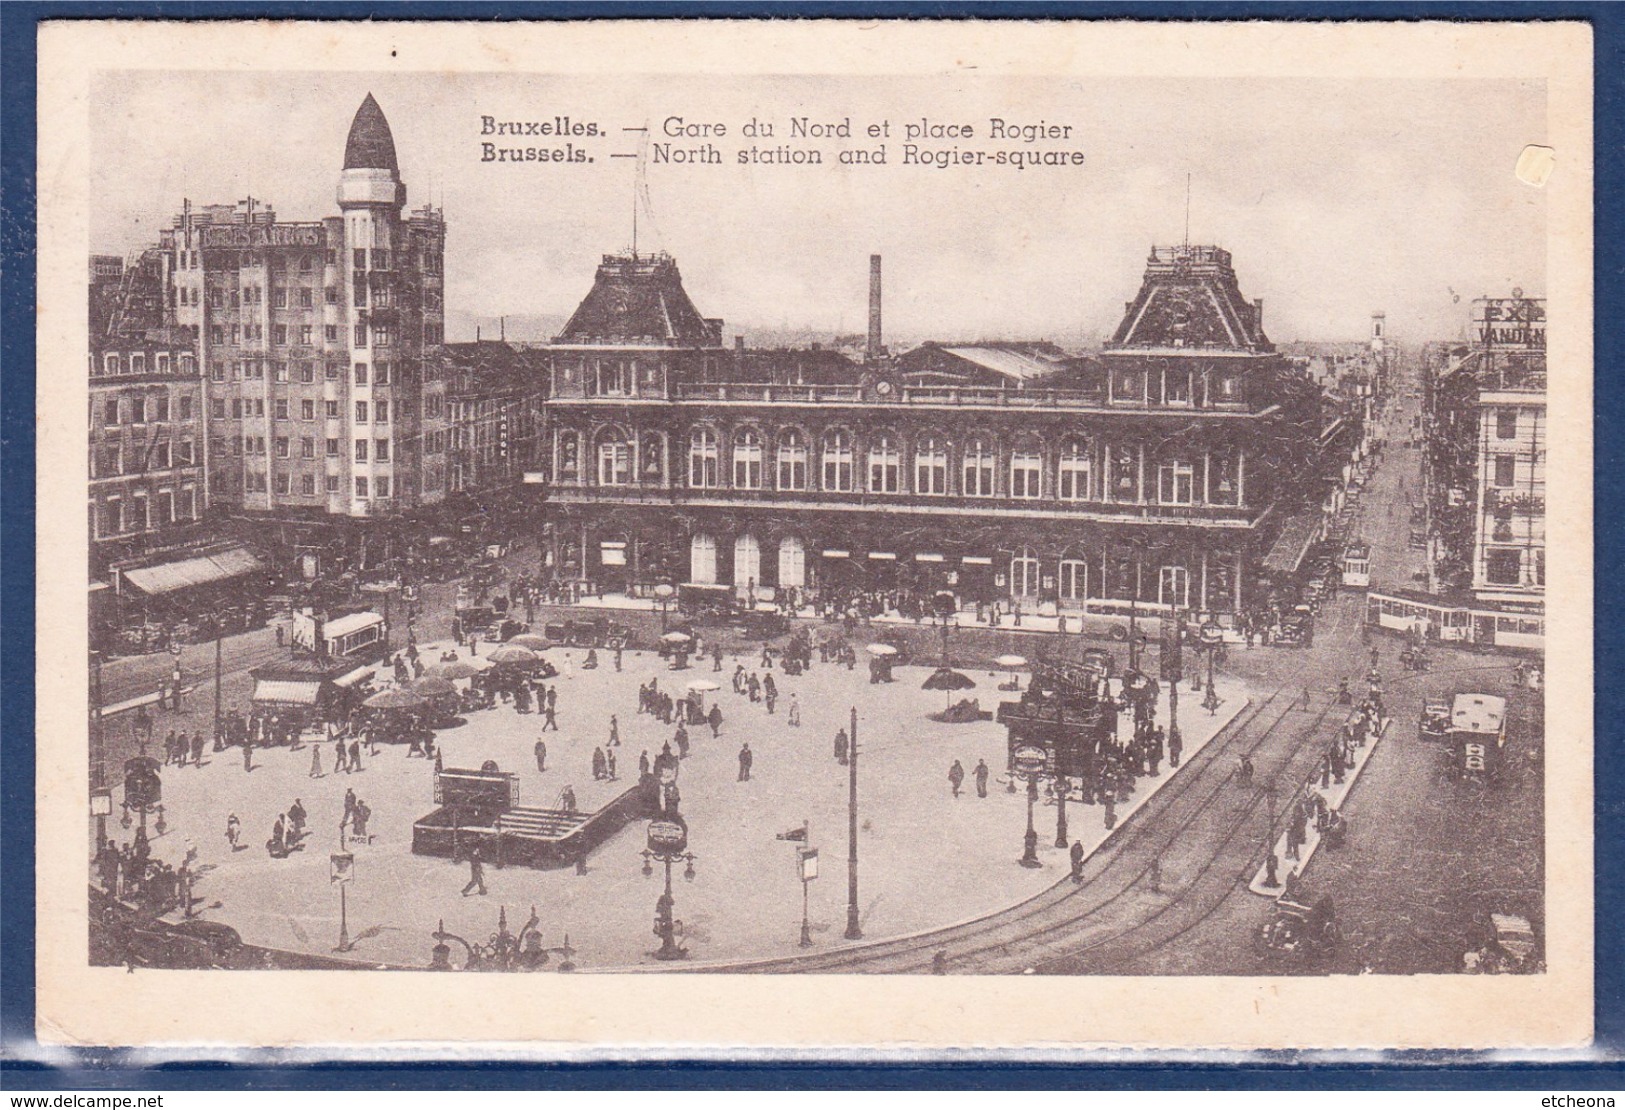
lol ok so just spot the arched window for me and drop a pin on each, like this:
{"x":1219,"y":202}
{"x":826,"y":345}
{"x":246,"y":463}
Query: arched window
{"x":792,"y":460}
{"x":837,"y":461}
{"x":1176,"y":481}
{"x":747,"y":562}
{"x":1074,"y":470}
{"x":978,"y":469}
{"x":1024,"y":573}
{"x":702,"y":559}
{"x":614,"y":459}
{"x":931,"y":466}
{"x":569,"y":457}
{"x":1026,"y":471}
{"x":702,"y":459}
{"x":885,"y":465}
{"x":748,"y":459}
{"x":1173,"y":587}
{"x":1074,"y":579}
{"x":792,"y":562}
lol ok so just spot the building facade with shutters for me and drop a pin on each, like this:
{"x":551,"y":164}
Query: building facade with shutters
{"x":1158,"y":475}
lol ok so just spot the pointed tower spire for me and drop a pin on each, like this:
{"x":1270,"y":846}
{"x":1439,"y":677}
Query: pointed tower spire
{"x":371,"y":145}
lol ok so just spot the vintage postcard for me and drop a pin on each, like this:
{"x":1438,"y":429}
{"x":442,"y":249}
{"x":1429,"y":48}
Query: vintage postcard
{"x":817,"y":536}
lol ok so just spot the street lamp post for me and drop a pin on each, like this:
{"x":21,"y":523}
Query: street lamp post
{"x":853,"y":930}
{"x":668,"y":843}
{"x":101,"y":799}
{"x":1061,"y":788}
{"x":342,"y":872}
{"x":1028,"y":761}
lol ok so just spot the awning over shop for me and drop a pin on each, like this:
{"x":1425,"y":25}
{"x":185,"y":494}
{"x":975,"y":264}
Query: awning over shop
{"x":283,"y":692}
{"x":1293,"y":543}
{"x":360,"y":674}
{"x":201,"y":571}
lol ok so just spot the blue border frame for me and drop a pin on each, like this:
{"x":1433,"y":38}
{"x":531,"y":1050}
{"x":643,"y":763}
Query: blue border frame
{"x":1409,"y":1071}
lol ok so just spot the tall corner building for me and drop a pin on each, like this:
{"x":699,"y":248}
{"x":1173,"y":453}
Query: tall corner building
{"x":311,"y":338}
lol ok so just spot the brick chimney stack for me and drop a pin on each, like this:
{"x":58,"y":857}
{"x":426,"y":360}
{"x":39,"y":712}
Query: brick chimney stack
{"x":876,"y":349}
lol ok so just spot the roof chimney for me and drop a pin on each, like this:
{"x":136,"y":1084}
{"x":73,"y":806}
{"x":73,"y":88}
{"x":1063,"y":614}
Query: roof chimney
{"x":875,"y":349}
{"x":739,"y":342}
{"x":1258,"y":313}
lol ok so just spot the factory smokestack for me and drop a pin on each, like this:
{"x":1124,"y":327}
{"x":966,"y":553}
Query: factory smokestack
{"x":876,"y":349}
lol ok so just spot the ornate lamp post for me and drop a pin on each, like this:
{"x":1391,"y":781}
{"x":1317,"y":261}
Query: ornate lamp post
{"x":1028,"y":762}
{"x":668,"y":843}
{"x":504,"y":951}
{"x":1212,"y":636}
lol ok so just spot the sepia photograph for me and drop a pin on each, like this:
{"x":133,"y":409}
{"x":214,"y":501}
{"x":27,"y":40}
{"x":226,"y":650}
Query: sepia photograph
{"x":696,"y":522}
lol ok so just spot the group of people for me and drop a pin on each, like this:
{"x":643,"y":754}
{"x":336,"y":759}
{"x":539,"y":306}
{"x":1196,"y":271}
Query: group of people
{"x":131,"y":873}
{"x":956,"y":775}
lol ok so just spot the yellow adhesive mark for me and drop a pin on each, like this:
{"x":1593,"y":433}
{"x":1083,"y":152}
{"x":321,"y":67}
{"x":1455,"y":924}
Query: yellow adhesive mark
{"x":1535,"y":165}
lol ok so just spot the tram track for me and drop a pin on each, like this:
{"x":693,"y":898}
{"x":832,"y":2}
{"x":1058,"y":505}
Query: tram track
{"x":1113,"y":875}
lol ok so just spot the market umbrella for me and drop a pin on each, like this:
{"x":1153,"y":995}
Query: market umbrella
{"x":509,"y":655}
{"x":703,"y":685}
{"x":676,"y":638}
{"x":882,"y":650}
{"x":459,"y":669}
{"x":532,"y":641}
{"x":1012,"y":663}
{"x":394,"y":699}
{"x":948,"y":680}
{"x":432,"y":687}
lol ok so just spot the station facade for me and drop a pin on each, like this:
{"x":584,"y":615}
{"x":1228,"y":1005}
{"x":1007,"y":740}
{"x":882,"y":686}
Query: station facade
{"x":1158,"y":475}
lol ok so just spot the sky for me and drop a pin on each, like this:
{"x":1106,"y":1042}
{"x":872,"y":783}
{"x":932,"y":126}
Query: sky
{"x":1336,"y":198}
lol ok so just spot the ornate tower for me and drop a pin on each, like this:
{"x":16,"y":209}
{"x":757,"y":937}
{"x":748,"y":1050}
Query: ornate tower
{"x":371,"y":196}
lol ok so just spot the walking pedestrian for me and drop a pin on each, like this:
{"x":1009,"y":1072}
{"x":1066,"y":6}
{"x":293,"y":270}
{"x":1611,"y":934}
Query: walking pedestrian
{"x":714,"y":719}
{"x":234,"y":831}
{"x":341,"y":757}
{"x":840,"y":746}
{"x":795,"y":712}
{"x":349,"y":806}
{"x":599,"y":764}
{"x":296,"y":817}
{"x":248,"y":755}
{"x":541,"y":755}
{"x":1176,"y":748}
{"x":981,"y":774}
{"x":567,"y":799}
{"x":315,"y":761}
{"x":552,"y":720}
{"x":476,"y":872}
{"x":956,"y":777}
{"x":355,"y":755}
{"x":745,"y":761}
{"x":1076,"y":855}
{"x":614,"y":731}
{"x":609,"y":765}
{"x":643,"y":764}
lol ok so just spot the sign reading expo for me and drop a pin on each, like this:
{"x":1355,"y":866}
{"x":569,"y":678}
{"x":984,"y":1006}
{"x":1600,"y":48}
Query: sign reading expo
{"x":1515,"y":322}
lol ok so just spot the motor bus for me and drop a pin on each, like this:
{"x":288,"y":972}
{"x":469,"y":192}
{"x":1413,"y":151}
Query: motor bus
{"x":1477,"y":736}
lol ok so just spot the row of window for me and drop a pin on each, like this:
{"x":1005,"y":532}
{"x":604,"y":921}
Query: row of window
{"x":117,"y":516}
{"x":1181,"y":478}
{"x":254,"y":370}
{"x":136,"y":363}
{"x":256,"y":482}
{"x":1029,"y":575}
{"x":113,"y":460}
{"x":140,"y":409}
{"x":366,"y":412}
{"x":382,"y":335}
{"x":377,"y":449}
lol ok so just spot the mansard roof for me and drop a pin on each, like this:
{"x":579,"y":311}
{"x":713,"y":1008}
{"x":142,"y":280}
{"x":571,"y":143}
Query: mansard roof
{"x":639,"y":299}
{"x":1189,"y":301}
